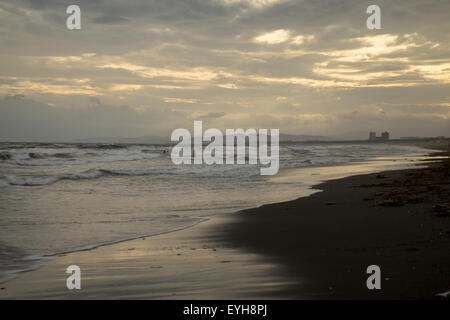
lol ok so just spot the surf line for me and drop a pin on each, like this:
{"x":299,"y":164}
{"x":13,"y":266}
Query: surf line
{"x":189,"y":149}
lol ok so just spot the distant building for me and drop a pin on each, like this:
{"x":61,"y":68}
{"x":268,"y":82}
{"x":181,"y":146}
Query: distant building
{"x":384,"y":136}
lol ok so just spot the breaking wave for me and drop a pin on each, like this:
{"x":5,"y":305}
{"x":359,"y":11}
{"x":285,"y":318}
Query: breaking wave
{"x":15,"y":180}
{"x":76,"y":156}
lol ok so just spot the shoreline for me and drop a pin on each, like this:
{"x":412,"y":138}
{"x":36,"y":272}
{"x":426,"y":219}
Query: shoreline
{"x":218,"y":233}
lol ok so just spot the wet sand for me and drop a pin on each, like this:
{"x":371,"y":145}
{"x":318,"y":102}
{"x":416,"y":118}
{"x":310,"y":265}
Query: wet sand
{"x":316,"y":247}
{"x":178,"y":265}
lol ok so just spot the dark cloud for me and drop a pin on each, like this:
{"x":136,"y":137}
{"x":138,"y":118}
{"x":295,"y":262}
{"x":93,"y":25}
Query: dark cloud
{"x":24,"y":119}
{"x":214,"y":115}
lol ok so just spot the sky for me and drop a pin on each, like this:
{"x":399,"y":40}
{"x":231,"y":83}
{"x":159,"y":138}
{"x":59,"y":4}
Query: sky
{"x":144,"y":68}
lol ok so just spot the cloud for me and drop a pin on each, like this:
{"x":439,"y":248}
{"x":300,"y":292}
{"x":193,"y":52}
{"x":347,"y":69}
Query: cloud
{"x":301,"y":39}
{"x":273,"y":37}
{"x":252,"y":3}
{"x":180,"y":100}
{"x":213,"y":115}
{"x":110,"y":20}
{"x":228,"y":86}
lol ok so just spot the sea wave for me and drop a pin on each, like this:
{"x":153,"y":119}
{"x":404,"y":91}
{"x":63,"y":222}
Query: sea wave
{"x":63,"y":162}
{"x":16,"y":180}
{"x":57,"y":157}
{"x":95,"y":173}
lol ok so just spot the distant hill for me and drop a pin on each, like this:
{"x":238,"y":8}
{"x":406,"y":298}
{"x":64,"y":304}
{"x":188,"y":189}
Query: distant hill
{"x":302,"y":137}
{"x":165,"y":140}
{"x":138,"y":140}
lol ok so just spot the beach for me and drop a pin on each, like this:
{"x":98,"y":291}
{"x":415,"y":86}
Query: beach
{"x":315,"y":247}
{"x":330,"y":238}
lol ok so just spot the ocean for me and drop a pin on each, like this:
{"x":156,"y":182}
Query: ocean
{"x":59,"y":198}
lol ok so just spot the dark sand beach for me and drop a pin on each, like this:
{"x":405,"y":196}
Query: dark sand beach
{"x":315,"y":247}
{"x":398,"y":220}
